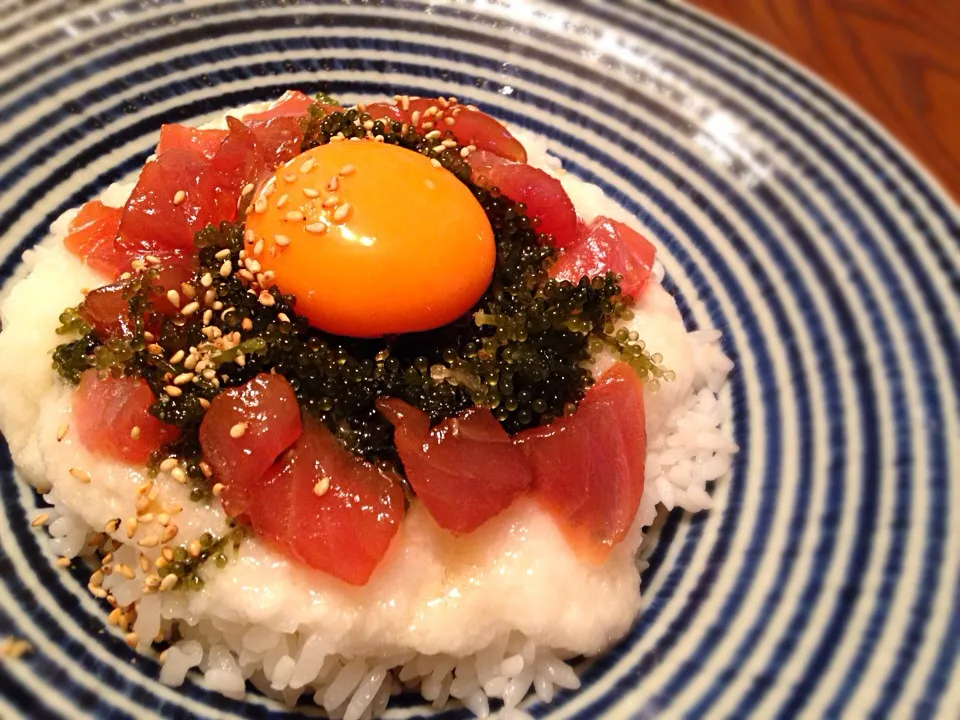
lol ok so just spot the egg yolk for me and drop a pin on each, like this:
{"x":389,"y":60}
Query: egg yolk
{"x":372,"y":239}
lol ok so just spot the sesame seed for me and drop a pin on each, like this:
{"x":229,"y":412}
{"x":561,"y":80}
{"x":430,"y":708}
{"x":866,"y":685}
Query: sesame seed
{"x":217,"y":489}
{"x":323,"y":484}
{"x":64,"y":562}
{"x":187,"y":291}
{"x":173,"y":391}
{"x":449,"y":143}
{"x":281,"y":240}
{"x":168,"y":464}
{"x":130,"y":525}
{"x":368,"y":125}
{"x":204,"y":403}
{"x":40,"y":519}
{"x":146,"y":518}
{"x":238,"y":430}
{"x":341,"y":213}
{"x":240,"y":360}
{"x":190,"y":308}
{"x":252,"y":265}
{"x":111,"y":525}
{"x":183,"y":378}
{"x":154,"y":349}
{"x":135,"y":432}
{"x":260,"y":205}
{"x":258,"y":247}
{"x":294,"y":216}
{"x":222,"y":254}
{"x":207,"y":318}
{"x":415,"y":117}
{"x":432,"y":135}
{"x":206,"y":469}
{"x":97,"y":578}
{"x":290,"y":177}
{"x":62,"y":431}
{"x":464,"y":152}
{"x":152,"y":259}
{"x":226,"y":268}
{"x":168,"y":583}
{"x":311,"y":193}
{"x":179,"y":196}
{"x":80,"y":475}
{"x":435,"y":163}
{"x":176,"y":357}
{"x":282,"y":200}
{"x":245,"y":274}
{"x":169,"y":533}
{"x":346,"y":170}
{"x":246,"y":324}
{"x":194,"y":548}
{"x":266,"y":299}
{"x":307,"y":166}
{"x":97,"y":592}
{"x":317,"y":228}
{"x":438,"y":148}
{"x":131,"y":640}
{"x":405,"y":102}
{"x":449,"y":120}
{"x":206,"y":280}
{"x":179,"y":475}
{"x":247,"y":189}
{"x":144,"y":562}
{"x":333,"y":184}
{"x":149,"y":541}
{"x":209,"y":297}
{"x":426,"y":126}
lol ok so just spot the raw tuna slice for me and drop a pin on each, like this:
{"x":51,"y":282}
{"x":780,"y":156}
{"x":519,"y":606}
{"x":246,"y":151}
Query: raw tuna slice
{"x":608,"y":245}
{"x":112,"y":419}
{"x":244,"y":431}
{"x":326,"y":508}
{"x":91,"y":237}
{"x":206,"y":142}
{"x":465,"y":470}
{"x":543,"y":194}
{"x":469,"y":126}
{"x":588,"y":468}
{"x":291,"y":103}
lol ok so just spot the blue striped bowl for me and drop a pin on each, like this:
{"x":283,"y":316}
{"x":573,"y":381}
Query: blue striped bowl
{"x":826,"y":581}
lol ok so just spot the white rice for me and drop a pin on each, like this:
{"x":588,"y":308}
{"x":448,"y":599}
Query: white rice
{"x":292,"y":632}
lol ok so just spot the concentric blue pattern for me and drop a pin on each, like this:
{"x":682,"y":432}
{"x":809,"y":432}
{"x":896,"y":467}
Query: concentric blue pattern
{"x":826,"y":581}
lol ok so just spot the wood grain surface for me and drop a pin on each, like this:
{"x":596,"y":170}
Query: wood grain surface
{"x":899,"y":59}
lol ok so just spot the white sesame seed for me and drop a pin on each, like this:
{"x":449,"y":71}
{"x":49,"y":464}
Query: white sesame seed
{"x":346,"y":170}
{"x":152,"y":259}
{"x":154,"y":349}
{"x":438,"y":149}
{"x":183,"y":378}
{"x":282,"y":200}
{"x":435,"y":163}
{"x":415,"y":117}
{"x":179,"y":475}
{"x":173,"y":391}
{"x":341,"y":213}
{"x":222,"y":254}
{"x":449,"y":143}
{"x":283,"y":317}
{"x":294,"y":216}
{"x":190,"y":308}
{"x":207,"y":318}
{"x":449,"y":120}
{"x":135,"y":432}
{"x":426,"y":126}
{"x":238,"y":430}
{"x":149,"y":541}
{"x":311,"y":193}
{"x":226,"y":268}
{"x":258,"y":247}
{"x":209,"y":297}
{"x":62,"y":431}
{"x":290,"y":177}
{"x":245,"y":274}
{"x":80,"y":475}
{"x":368,"y":125}
{"x":217,"y":489}
{"x":464,"y":152}
{"x":281,"y":240}
{"x":331,"y":201}
{"x":323,"y":484}
{"x":432,"y":135}
{"x":112,"y":525}
{"x":169,"y":533}
{"x":247,"y":189}
{"x":317,"y":228}
{"x":40,"y":519}
{"x":260,"y":205}
{"x":307,"y":166}
{"x":168,"y":583}
{"x":177,"y":357}
{"x":266,"y":299}
{"x":206,"y":280}
{"x":179,"y":196}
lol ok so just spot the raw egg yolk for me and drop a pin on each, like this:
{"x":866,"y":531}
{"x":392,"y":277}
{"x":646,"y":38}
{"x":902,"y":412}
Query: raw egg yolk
{"x":372,"y":239}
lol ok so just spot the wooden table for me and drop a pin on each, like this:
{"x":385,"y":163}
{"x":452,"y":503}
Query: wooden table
{"x":899,"y":59}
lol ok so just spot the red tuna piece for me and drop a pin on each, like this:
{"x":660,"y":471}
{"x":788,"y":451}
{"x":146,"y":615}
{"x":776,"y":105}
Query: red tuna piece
{"x":156,"y":217}
{"x":465,"y":470}
{"x":237,"y":162}
{"x":588,"y":468}
{"x":543,"y":194}
{"x":608,"y":245}
{"x":107,"y":309}
{"x":112,"y":419}
{"x":206,"y":142}
{"x":386,"y":111}
{"x":292,"y":103}
{"x":91,"y":236}
{"x":469,"y":127}
{"x":326,"y":508}
{"x":279,"y":139}
{"x":244,"y":430}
